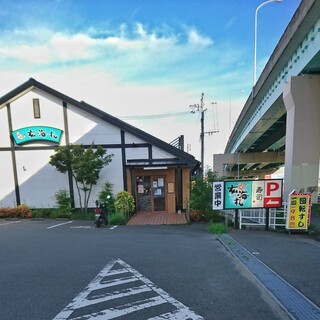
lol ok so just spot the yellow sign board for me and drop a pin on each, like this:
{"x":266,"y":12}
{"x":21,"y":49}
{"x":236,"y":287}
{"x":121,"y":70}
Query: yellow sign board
{"x":299,"y":211}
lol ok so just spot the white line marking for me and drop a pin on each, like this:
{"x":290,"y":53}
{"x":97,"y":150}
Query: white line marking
{"x":123,"y":310}
{"x":60,"y":224}
{"x":111,"y":296}
{"x":81,"y":227}
{"x":113,"y":227}
{"x":2,"y":224}
{"x":180,"y":314}
{"x":94,"y":294}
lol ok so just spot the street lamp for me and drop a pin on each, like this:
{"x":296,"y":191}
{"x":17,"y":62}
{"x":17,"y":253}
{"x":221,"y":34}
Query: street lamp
{"x":255,"y":38}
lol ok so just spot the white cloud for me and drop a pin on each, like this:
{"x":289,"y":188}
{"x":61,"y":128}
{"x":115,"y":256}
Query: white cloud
{"x":45,"y":47}
{"x":198,"y":41}
{"x":182,"y":58}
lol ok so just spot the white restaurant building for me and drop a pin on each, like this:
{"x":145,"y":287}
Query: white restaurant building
{"x":35,"y":119}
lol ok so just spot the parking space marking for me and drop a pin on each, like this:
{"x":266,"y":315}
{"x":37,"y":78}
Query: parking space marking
{"x":81,"y":227}
{"x":105,"y":297}
{"x":60,"y":224}
{"x":5,"y":223}
{"x":89,"y":227}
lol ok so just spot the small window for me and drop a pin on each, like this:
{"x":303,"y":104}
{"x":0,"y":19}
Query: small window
{"x":36,"y":108}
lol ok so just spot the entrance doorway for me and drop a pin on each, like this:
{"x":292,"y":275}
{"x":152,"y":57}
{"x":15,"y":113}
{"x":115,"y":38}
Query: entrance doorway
{"x":151,"y":195}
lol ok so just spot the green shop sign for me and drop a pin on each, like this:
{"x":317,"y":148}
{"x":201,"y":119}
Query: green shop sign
{"x":36,"y":133}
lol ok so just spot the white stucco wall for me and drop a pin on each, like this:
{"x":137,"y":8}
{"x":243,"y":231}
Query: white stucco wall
{"x":4,"y":129}
{"x":137,"y":153}
{"x":130,"y":138}
{"x":7,"y":189}
{"x":38,"y":180}
{"x":160,"y":154}
{"x":85,"y":129}
{"x":142,"y":153}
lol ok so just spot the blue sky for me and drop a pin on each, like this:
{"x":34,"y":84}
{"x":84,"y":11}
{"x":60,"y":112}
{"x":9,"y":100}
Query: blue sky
{"x":150,"y":57}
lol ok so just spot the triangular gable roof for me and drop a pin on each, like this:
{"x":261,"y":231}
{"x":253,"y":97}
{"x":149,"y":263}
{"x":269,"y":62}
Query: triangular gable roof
{"x":32,"y":83}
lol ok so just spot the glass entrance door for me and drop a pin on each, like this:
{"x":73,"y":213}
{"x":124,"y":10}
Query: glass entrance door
{"x":151,"y":193}
{"x":143,"y":193}
{"x":159,"y":196}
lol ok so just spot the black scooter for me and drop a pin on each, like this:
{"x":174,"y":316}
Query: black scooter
{"x":101,"y":213}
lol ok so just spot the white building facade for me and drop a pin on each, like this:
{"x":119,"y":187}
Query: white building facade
{"x":35,"y":119}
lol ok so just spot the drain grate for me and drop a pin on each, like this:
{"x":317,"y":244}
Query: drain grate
{"x":295,"y":303}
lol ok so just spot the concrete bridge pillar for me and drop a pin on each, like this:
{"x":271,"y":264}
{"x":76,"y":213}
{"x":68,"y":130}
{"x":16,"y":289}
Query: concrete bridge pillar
{"x":301,"y":97}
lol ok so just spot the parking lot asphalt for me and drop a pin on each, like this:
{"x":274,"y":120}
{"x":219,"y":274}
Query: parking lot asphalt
{"x":294,"y":257}
{"x":46,"y":249}
{"x":47,"y":264}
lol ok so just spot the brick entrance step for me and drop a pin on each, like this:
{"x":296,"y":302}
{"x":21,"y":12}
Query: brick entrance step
{"x":143,"y":218}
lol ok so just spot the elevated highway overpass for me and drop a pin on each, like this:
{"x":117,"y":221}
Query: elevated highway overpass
{"x":280,"y":121}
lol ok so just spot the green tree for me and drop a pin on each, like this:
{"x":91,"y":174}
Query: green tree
{"x":201,"y":192}
{"x":85,"y":166}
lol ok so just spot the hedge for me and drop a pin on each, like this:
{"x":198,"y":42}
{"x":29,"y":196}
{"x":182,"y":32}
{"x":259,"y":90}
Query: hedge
{"x":20,"y":212}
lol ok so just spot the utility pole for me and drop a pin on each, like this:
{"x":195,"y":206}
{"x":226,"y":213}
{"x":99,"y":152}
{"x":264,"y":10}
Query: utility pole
{"x":200,"y":108}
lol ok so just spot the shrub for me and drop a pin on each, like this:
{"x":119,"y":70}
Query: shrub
{"x":124,"y":203}
{"x":22,"y":211}
{"x":195,"y":215}
{"x":42,"y":213}
{"x":117,"y":219}
{"x":217,"y":228}
{"x":63,"y":200}
{"x":201,"y":194}
{"x":213,"y":216}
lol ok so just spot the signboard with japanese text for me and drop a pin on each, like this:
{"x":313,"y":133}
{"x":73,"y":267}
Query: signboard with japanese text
{"x":246,"y":194}
{"x":299,"y":211}
{"x":218,"y":195}
{"x":36,"y":133}
{"x":258,"y":193}
{"x":238,"y":194}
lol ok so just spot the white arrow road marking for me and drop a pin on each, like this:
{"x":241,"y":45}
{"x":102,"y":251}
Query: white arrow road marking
{"x":111,"y":284}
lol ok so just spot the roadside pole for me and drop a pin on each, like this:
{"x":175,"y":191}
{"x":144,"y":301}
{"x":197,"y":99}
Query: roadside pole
{"x":267,"y":219}
{"x":236,"y":219}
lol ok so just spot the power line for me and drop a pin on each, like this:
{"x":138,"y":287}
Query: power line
{"x":155,"y":116}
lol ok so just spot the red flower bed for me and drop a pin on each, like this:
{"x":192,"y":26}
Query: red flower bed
{"x":19,"y":212}
{"x":196,"y":215}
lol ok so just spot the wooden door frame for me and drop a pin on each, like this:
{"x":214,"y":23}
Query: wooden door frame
{"x":152,"y":176}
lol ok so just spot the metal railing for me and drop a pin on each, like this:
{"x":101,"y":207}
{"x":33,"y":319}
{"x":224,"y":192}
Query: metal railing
{"x":257,"y":217}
